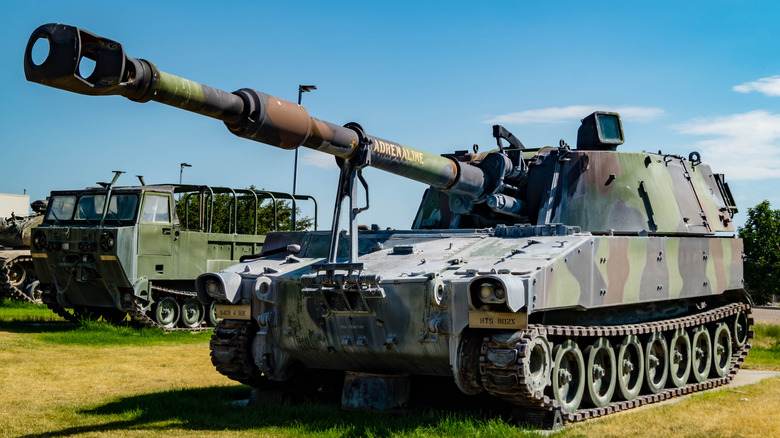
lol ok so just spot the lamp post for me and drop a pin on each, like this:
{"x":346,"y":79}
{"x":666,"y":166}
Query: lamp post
{"x":181,"y":170}
{"x":301,"y":89}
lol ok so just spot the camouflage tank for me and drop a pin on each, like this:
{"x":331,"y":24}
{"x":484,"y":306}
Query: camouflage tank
{"x":569,"y":282}
{"x":111,"y":252}
{"x":17,"y":273}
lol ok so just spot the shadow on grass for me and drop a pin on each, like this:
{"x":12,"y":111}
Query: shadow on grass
{"x":219,"y":409}
{"x":99,"y":333}
{"x":33,"y":326}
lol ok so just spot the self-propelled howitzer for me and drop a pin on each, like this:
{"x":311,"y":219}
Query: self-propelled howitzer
{"x":571,"y":282}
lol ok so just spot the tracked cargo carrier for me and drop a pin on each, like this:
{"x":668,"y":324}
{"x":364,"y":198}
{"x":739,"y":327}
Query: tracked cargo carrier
{"x":569,"y":282}
{"x":111,"y":252}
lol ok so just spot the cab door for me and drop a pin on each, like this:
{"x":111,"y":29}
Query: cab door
{"x":155,"y":236}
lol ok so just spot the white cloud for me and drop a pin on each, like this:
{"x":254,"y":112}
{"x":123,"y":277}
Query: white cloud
{"x":746,"y":146}
{"x":769,"y":86}
{"x":575,"y":112}
{"x":309,"y":157}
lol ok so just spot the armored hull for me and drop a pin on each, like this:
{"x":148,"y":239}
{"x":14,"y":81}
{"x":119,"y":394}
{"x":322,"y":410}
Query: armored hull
{"x":574,"y":303}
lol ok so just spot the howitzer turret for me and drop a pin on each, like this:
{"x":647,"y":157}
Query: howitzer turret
{"x":569,"y":282}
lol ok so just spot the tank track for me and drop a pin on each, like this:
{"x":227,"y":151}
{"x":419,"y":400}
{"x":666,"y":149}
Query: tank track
{"x":139,"y":318}
{"x":49,"y":298}
{"x":512,"y":382}
{"x":231,"y":352}
{"x":8,"y":289}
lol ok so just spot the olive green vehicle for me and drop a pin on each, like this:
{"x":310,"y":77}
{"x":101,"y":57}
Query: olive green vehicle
{"x":568,"y":282}
{"x":133,"y":255}
{"x":18,"y":280}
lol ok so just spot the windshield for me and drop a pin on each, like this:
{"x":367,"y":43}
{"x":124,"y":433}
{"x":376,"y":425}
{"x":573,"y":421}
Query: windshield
{"x":61,"y":208}
{"x":89,"y":208}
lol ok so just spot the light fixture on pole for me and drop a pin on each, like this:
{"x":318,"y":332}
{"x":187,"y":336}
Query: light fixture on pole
{"x":181,"y":170}
{"x":301,"y":89}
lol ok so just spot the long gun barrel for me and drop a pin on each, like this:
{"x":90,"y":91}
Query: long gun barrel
{"x":246,"y":112}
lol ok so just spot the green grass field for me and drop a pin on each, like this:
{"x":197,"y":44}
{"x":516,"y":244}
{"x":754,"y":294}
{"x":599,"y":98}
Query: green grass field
{"x":765,"y":354}
{"x":65,"y":379}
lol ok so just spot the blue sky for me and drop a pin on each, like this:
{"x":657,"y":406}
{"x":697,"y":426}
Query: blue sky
{"x":685,"y":76}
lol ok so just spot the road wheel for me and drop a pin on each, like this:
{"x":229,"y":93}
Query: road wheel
{"x":656,"y":363}
{"x":741,"y":329}
{"x":701,"y":356}
{"x":166,"y":312}
{"x":679,"y":358}
{"x":631,"y":367}
{"x":600,"y":372}
{"x":568,"y":377}
{"x":33,"y":291}
{"x":212,"y":315}
{"x":721,"y":350}
{"x":192,"y":313}
{"x":538,"y":364}
{"x":16,"y":274}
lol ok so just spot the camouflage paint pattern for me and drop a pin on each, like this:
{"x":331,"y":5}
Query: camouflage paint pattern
{"x":633,"y":192}
{"x":411,"y":329}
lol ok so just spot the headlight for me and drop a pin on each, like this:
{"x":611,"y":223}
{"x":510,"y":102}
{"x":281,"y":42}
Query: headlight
{"x":39,"y":240}
{"x":220,"y":286}
{"x":486,"y":291}
{"x":489,"y":291}
{"x":107,"y":241}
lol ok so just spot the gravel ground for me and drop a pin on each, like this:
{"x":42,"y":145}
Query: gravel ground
{"x":766,"y":315}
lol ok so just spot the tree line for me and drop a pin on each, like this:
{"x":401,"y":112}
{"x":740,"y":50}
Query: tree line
{"x":225,"y":217}
{"x":761,"y":237}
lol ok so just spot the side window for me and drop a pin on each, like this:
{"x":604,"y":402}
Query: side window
{"x":156,"y":209}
